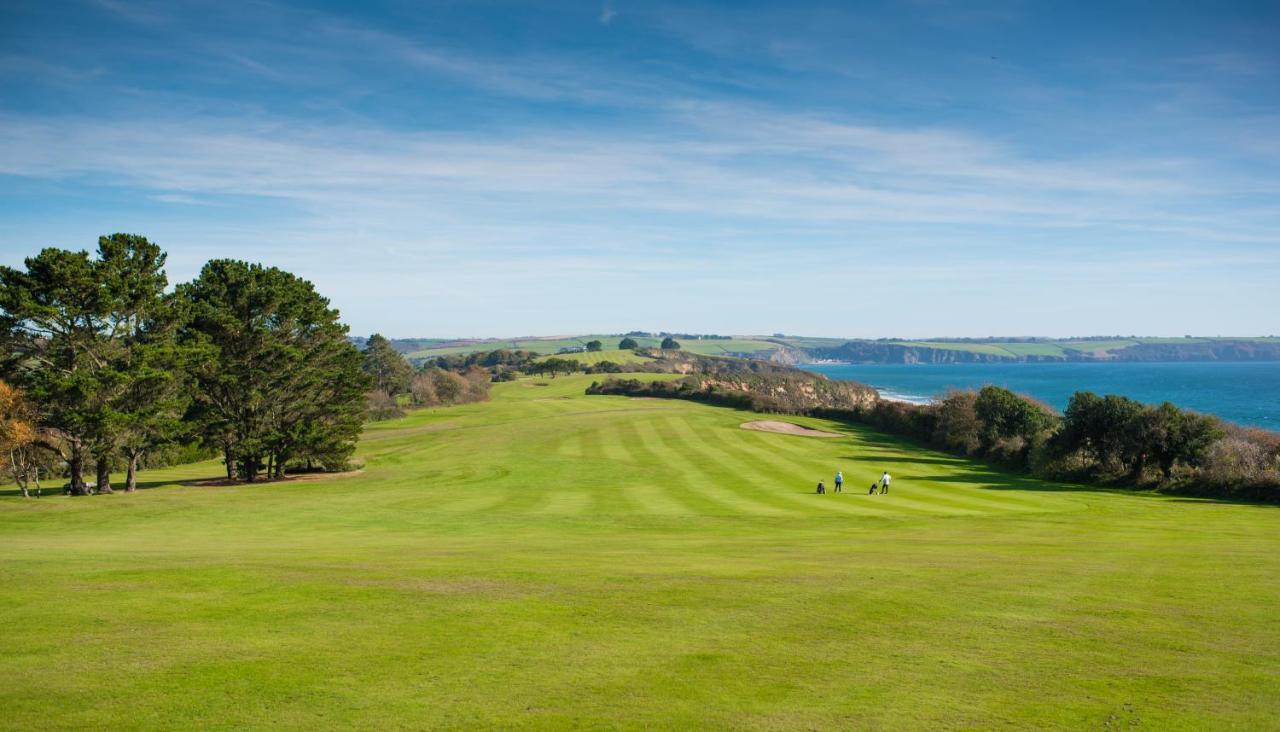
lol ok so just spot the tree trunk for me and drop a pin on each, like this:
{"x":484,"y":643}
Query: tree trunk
{"x":131,"y":474}
{"x":19,"y":475}
{"x":104,"y":475}
{"x":1138,"y":469}
{"x":231,"y":465}
{"x":280,"y":461}
{"x":75,"y":465}
{"x":271,"y":465}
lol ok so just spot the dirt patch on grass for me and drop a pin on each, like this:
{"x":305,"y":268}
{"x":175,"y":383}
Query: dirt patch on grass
{"x":786,"y":428}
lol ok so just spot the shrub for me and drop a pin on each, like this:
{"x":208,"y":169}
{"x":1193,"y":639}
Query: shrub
{"x":957,"y":426}
{"x":423,"y":391}
{"x":381,"y":405}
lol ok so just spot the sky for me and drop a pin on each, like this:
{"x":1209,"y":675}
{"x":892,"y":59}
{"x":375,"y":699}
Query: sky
{"x":918,"y":168}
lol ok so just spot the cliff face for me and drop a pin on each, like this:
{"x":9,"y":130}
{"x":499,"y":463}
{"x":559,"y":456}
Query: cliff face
{"x":792,"y":393}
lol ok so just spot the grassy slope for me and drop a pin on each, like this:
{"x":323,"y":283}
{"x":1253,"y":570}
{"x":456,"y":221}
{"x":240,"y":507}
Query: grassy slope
{"x":550,"y":559}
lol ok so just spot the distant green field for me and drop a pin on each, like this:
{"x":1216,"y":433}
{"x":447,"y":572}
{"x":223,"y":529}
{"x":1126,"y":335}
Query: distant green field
{"x":595,"y":357}
{"x":722,"y":347}
{"x":812,"y":342}
{"x":1032,"y":349}
{"x":549,"y":559}
{"x":1095,"y":346}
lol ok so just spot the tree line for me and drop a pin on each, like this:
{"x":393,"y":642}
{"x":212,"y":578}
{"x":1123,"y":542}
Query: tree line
{"x":246,"y":361}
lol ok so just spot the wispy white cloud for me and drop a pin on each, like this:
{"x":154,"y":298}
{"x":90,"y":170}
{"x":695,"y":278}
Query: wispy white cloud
{"x":677,"y":187}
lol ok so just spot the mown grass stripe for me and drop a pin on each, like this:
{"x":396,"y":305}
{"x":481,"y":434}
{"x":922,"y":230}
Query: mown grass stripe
{"x":562,"y":501}
{"x":570,"y":446}
{"x":598,"y":472}
{"x":700,"y":481}
{"x":733,"y":478}
{"x":611,"y":444}
{"x":652,"y":496}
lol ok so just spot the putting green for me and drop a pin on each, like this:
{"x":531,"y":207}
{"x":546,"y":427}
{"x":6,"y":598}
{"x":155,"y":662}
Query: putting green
{"x":550,"y":559}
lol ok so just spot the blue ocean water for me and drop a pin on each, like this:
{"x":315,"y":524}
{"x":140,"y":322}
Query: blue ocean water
{"x":1247,"y":393}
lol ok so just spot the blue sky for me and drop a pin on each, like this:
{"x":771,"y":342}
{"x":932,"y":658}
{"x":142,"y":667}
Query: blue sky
{"x":915,"y":168}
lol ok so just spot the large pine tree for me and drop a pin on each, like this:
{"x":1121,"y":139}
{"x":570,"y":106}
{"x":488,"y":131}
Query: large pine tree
{"x":279,"y":381}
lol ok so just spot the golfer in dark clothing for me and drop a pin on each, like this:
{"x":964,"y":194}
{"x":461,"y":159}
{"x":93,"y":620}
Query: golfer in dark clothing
{"x":839,"y":481}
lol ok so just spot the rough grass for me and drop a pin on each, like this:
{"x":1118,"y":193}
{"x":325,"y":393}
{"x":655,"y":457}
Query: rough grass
{"x":548,"y":559}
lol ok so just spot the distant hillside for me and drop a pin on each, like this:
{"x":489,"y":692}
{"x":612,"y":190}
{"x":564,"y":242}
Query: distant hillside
{"x":795,"y":349}
{"x":422,"y":348}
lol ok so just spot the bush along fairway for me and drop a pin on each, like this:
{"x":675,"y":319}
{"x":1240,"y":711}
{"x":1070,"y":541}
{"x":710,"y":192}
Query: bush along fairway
{"x":550,"y":559}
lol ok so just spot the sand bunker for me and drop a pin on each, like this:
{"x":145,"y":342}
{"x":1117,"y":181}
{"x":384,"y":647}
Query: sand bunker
{"x":786,"y":428}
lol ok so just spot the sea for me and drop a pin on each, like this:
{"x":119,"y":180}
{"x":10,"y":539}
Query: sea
{"x":1247,"y":393}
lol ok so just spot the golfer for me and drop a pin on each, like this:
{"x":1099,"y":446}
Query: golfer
{"x":839,"y":481}
{"x":884,"y":482}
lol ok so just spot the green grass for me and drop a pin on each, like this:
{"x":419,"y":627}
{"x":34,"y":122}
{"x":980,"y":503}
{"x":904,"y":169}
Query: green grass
{"x":554,"y":560}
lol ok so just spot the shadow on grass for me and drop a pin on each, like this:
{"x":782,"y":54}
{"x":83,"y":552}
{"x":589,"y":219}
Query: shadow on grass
{"x":56,"y":489}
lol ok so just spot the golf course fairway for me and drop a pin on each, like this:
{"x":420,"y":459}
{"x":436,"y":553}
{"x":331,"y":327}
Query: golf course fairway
{"x":549,"y":559}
